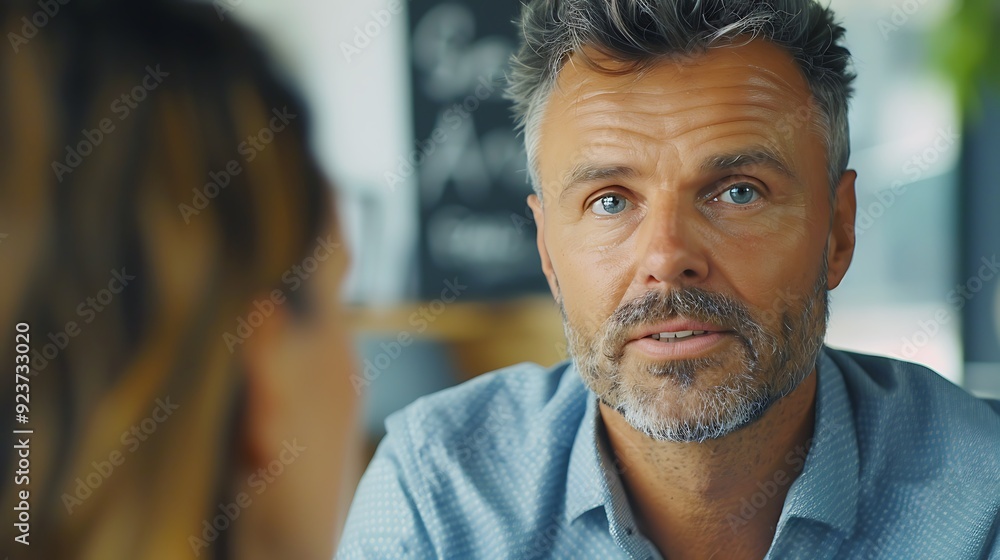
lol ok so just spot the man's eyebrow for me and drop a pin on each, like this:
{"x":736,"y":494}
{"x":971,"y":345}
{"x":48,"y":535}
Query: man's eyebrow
{"x":586,"y":173}
{"x":763,"y":157}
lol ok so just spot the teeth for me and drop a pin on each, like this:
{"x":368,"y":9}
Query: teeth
{"x":676,"y":335}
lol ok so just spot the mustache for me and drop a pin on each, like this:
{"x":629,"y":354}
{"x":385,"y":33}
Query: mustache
{"x":692,"y":303}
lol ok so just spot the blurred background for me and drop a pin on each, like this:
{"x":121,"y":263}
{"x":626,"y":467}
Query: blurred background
{"x":446,"y":282}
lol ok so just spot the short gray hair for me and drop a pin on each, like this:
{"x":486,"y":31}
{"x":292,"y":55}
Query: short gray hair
{"x":643,"y":32}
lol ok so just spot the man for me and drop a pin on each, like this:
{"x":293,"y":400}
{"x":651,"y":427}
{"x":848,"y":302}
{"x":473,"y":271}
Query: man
{"x":694,"y":208}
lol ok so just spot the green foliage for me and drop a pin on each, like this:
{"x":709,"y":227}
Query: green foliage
{"x":967,"y":48}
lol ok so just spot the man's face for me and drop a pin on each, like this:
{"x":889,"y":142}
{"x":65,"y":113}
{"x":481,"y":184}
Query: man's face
{"x":691,"y":200}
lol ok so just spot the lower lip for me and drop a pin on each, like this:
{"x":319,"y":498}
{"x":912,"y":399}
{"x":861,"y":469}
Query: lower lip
{"x":687,"y":348}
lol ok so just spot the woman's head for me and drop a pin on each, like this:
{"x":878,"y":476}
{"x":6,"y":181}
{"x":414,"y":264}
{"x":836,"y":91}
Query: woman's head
{"x":172,"y":245}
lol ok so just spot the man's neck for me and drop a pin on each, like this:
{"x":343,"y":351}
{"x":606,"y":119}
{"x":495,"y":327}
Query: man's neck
{"x":722,"y":497}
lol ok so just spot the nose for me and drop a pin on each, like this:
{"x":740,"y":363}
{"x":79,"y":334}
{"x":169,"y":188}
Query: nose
{"x":671,"y":251}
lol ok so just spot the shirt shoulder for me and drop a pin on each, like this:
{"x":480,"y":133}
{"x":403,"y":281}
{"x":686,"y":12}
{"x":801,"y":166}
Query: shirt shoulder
{"x":903,"y":397}
{"x":491,"y":409}
{"x":476,"y":470}
{"x":926,"y":447}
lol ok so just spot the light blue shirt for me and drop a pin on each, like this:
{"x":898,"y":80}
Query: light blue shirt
{"x":512,"y":464}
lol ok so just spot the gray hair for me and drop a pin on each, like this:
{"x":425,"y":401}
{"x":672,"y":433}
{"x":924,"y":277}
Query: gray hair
{"x":643,"y":32}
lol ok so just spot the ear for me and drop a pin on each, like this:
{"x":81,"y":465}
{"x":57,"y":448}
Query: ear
{"x":842,"y":236}
{"x":265,"y":356}
{"x":535,"y":204}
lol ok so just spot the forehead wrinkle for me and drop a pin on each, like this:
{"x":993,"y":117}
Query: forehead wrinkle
{"x":746,"y":71}
{"x":635,"y":135}
{"x":624,"y":137}
{"x":670,"y":94}
{"x":772,"y":81}
{"x":644,"y":148}
{"x":762,"y":105}
{"x":798,"y":79}
{"x":668,"y":115}
{"x":658,"y":99}
{"x":763,"y":141}
{"x":755,"y":130}
{"x":739,"y":61}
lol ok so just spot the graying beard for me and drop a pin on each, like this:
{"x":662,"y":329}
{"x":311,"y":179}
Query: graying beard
{"x":700,"y":305}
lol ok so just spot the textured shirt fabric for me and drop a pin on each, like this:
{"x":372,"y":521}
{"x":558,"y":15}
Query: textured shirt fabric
{"x":512,"y":464}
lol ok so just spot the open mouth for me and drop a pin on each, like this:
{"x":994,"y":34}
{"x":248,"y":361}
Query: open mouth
{"x":676,"y":336}
{"x":681,"y":344}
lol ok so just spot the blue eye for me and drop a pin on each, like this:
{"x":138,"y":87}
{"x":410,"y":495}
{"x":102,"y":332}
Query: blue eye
{"x":740,"y":194}
{"x":609,"y":205}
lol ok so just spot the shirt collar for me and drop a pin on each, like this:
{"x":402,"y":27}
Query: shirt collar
{"x":593,"y":482}
{"x":586,"y":483}
{"x":826,"y":491}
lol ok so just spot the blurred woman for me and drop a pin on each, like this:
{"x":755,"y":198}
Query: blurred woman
{"x":169,"y":248}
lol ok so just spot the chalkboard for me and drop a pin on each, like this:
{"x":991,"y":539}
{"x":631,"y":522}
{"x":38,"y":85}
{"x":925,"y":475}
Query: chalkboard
{"x":469,"y":164}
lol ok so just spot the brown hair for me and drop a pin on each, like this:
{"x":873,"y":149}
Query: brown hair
{"x":117,"y":119}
